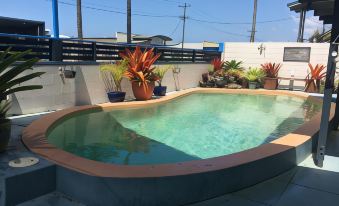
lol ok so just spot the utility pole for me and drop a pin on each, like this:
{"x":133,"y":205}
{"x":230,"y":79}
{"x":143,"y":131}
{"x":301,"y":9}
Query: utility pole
{"x":79,"y":20}
{"x":129,"y":22}
{"x":254,"y":21}
{"x":184,"y":24}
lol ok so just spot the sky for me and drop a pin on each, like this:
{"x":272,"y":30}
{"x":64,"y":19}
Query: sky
{"x":232,"y":18}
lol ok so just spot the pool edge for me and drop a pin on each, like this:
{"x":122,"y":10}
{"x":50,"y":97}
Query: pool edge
{"x":34,"y":137}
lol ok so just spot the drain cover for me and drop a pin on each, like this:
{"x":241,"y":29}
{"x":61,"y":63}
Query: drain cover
{"x":23,"y":162}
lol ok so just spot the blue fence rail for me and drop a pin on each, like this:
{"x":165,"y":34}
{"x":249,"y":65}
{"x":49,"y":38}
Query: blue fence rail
{"x":67,"y":49}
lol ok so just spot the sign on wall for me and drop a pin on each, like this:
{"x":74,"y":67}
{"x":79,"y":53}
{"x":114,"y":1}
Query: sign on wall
{"x":297,"y":54}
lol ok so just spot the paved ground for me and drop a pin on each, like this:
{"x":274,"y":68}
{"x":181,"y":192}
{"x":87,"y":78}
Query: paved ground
{"x":306,"y":184}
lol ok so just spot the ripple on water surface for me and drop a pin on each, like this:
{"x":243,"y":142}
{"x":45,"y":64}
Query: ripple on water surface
{"x":197,"y":126}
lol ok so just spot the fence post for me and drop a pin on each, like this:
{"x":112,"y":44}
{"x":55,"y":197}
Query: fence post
{"x":193,"y":57}
{"x":94,"y":51}
{"x":55,"y":49}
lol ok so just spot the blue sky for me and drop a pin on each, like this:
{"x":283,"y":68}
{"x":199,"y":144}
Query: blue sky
{"x":99,"y":23}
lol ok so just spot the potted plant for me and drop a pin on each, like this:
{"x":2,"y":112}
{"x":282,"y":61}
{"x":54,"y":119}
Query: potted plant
{"x":234,"y":65}
{"x":217,"y":73}
{"x":313,"y":78}
{"x":160,"y":73}
{"x":11,"y":79}
{"x":253,"y":76}
{"x":112,"y":75}
{"x":140,"y":71}
{"x":271,"y":75}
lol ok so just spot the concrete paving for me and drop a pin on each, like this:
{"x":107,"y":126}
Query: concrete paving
{"x":305,"y":184}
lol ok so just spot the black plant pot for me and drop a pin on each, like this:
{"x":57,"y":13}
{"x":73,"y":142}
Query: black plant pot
{"x":116,"y":96}
{"x":221,"y":83}
{"x":69,"y":74}
{"x":202,"y":84}
{"x":210,"y":84}
{"x":160,"y":90}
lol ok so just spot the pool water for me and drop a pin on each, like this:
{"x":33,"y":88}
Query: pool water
{"x":197,"y":126}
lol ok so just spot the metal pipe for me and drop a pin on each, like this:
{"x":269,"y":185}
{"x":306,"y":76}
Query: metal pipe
{"x":329,"y":84}
{"x":55,"y":18}
{"x":303,"y":26}
{"x":300,"y":25}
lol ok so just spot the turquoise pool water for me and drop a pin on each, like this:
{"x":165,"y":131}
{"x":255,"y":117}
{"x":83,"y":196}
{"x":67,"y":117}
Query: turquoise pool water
{"x":197,"y":126}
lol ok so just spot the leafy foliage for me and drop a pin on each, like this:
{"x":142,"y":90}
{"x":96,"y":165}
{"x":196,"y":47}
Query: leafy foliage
{"x":235,"y":73}
{"x":254,"y":74}
{"x":316,"y":74}
{"x":11,"y":76}
{"x":218,"y":64}
{"x":234,"y":65}
{"x":160,"y":72}
{"x":112,"y":75}
{"x":140,"y":65}
{"x":271,"y":70}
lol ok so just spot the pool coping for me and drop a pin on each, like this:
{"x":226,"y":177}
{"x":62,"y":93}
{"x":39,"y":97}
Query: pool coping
{"x":34,"y":137}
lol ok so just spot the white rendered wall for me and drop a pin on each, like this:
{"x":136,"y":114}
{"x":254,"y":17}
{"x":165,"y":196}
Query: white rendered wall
{"x":274,"y":52}
{"x":86,"y":88}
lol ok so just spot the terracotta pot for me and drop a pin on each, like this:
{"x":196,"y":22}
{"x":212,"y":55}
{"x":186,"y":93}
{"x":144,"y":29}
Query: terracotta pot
{"x":5,"y":133}
{"x":311,"y":87}
{"x":140,"y":93}
{"x":270,"y":83}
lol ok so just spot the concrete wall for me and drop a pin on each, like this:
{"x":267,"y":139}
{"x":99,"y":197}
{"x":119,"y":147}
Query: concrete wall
{"x":86,"y":88}
{"x":274,"y":52}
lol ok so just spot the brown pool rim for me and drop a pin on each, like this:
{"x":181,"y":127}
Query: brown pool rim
{"x":35,"y":138}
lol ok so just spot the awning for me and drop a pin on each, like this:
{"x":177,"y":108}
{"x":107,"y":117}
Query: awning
{"x":322,"y":8}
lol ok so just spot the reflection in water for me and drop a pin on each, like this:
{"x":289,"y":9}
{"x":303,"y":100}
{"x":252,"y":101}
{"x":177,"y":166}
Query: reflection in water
{"x":112,"y":142}
{"x":197,"y":126}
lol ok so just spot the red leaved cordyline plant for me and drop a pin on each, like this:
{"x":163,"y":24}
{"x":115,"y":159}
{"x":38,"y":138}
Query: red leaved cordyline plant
{"x":315,"y":75}
{"x":218,"y":64}
{"x":317,"y":72}
{"x":140,"y":65}
{"x":271,"y":70}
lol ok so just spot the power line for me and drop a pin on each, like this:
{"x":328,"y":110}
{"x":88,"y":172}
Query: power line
{"x":176,"y":28}
{"x":244,"y":23}
{"x":238,"y":35}
{"x":118,"y":12}
{"x":171,"y":1}
{"x":116,"y":8}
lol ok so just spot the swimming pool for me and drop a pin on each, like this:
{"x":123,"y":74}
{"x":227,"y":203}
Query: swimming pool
{"x":196,"y":126}
{"x":186,"y":147}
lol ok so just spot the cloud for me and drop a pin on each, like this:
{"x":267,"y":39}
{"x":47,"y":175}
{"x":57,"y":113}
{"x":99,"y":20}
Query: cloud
{"x":312,"y":24}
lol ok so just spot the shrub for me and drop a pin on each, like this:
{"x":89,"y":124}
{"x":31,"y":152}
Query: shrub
{"x":271,"y":70}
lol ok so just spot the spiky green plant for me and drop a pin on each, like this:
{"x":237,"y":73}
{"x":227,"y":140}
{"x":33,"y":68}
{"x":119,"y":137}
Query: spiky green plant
{"x":234,"y":65}
{"x":112,"y":75}
{"x":254,"y":74}
{"x":11,"y":78}
{"x":161,"y":71}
